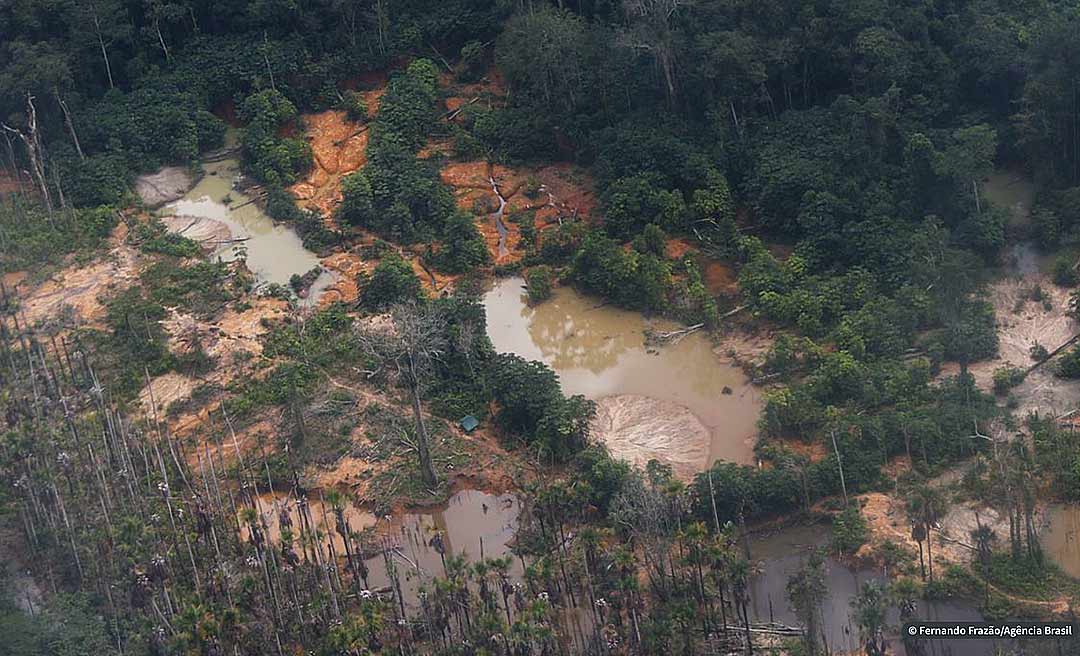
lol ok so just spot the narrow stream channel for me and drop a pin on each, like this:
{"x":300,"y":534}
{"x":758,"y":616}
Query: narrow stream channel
{"x":498,"y":216}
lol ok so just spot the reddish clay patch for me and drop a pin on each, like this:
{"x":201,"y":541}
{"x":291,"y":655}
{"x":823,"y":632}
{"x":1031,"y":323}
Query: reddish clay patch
{"x":338,"y":148}
{"x":720,"y":279}
{"x":677,"y":247}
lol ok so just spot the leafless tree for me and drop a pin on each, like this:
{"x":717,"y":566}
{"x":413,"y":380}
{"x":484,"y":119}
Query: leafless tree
{"x":407,"y":350}
{"x":32,"y":140}
{"x":650,"y":29}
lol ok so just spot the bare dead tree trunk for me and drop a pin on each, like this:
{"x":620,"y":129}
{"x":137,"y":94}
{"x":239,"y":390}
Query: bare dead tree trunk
{"x":101,"y":43}
{"x":427,"y":470}
{"x":68,"y":122}
{"x":161,"y":40}
{"x":33,"y":150}
{"x":839,"y":466}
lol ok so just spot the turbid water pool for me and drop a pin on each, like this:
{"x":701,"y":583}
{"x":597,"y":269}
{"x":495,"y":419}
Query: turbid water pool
{"x":231,"y":225}
{"x":1060,"y":537}
{"x":600,"y":352}
{"x":780,"y":555}
{"x":472,"y":523}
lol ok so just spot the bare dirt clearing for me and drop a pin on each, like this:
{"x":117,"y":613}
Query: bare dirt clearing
{"x":638,"y":429}
{"x":164,"y":186}
{"x":80,"y":285}
{"x":1022,"y":323}
{"x":338,"y":147}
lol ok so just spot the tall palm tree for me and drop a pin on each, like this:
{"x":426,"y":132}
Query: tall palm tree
{"x":925,"y":506}
{"x":868,"y":610}
{"x":805,"y":590}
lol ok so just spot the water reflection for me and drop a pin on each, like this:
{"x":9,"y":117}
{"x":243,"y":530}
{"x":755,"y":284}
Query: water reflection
{"x":779,"y":556}
{"x":273,"y":251}
{"x":474,"y":524}
{"x":599,"y":351}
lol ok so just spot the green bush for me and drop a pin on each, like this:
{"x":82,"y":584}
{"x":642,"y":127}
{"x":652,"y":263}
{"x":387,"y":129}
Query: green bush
{"x":462,"y":246}
{"x":392,"y":281}
{"x":628,"y":278}
{"x":1006,"y":378}
{"x":355,"y":107}
{"x":202,"y":287}
{"x":1047,"y":226}
{"x":1064,"y":272}
{"x":273,"y":159}
{"x":32,"y":238}
{"x":1069,"y":364}
{"x":153,"y":237}
{"x":538,"y":283}
{"x":634,"y":202}
{"x":472,"y":62}
{"x":849,"y":531}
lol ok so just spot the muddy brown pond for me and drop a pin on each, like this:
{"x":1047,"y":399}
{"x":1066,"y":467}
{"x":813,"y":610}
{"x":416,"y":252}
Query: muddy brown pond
{"x":599,"y":351}
{"x":477,"y":523}
{"x":231,"y":225}
{"x":778,"y":556}
{"x":470,"y":522}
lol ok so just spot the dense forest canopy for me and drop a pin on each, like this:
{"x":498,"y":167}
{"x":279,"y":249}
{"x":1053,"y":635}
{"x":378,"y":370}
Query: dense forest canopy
{"x":832,"y":154}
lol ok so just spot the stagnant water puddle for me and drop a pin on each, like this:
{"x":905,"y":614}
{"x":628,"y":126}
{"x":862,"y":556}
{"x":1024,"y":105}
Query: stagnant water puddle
{"x":476,"y":524}
{"x":599,"y":351}
{"x":778,"y":556}
{"x":1015,"y":193}
{"x":472,"y":523}
{"x":216,"y":214}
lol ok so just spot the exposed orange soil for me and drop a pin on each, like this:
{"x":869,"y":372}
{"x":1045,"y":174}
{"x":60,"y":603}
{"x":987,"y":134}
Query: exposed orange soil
{"x":486,"y":468}
{"x":490,"y":89}
{"x":13,"y":279}
{"x":231,"y":332}
{"x":79,"y":286}
{"x":676,"y":247}
{"x":720,"y":279}
{"x":223,"y":339}
{"x":226,"y":111}
{"x":561,"y":191}
{"x":951,"y":537}
{"x":347,"y":266}
{"x":812,"y":451}
{"x":467,"y":175}
{"x":251,"y":440}
{"x":163,"y":391}
{"x":338,"y":147}
{"x":444,"y":146}
{"x":366,"y":80}
{"x":432,"y":281}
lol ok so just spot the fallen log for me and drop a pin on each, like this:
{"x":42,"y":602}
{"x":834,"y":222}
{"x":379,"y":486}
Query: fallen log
{"x":359,"y":132}
{"x":674,"y":336}
{"x":452,"y":114}
{"x":1050,"y":356}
